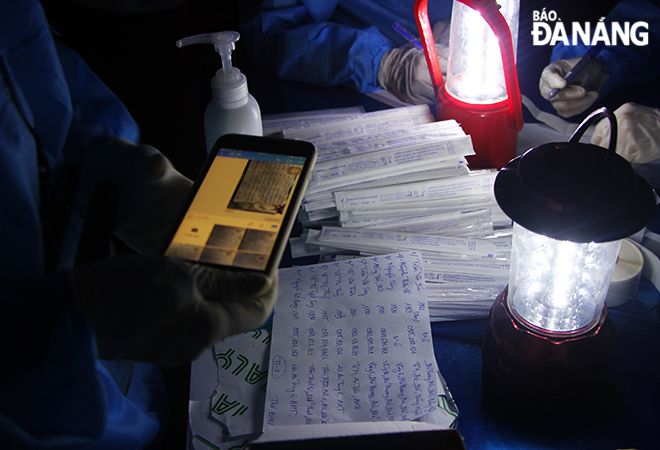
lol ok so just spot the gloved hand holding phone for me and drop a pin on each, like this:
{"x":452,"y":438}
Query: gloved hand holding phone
{"x":167,"y":311}
{"x":151,"y":191}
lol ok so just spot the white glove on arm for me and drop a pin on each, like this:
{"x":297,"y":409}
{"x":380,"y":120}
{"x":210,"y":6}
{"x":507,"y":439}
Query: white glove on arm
{"x":581,"y":93}
{"x":151,"y":191}
{"x":403,"y":71}
{"x":167,"y":311}
{"x":638,"y":134}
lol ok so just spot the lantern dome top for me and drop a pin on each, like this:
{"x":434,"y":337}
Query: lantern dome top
{"x":574,"y":191}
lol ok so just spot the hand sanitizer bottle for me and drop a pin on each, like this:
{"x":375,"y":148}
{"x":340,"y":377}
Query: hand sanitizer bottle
{"x":232,"y":109}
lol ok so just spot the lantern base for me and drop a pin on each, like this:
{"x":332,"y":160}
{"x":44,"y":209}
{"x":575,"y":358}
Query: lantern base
{"x":494,"y":139}
{"x":516,"y":358}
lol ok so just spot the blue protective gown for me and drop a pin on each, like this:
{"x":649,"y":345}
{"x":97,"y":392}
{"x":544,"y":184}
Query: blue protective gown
{"x":632,"y":64}
{"x":330,"y":42}
{"x":55,"y":392}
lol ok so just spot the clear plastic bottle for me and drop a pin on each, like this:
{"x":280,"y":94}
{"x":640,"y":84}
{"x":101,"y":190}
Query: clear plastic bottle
{"x":232,"y":109}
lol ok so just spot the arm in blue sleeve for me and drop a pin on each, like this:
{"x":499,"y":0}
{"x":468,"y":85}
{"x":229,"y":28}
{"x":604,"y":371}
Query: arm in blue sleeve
{"x":324,"y":53}
{"x":56,"y":393}
{"x":52,"y":394}
{"x":97,"y":112}
{"x":631,"y":64}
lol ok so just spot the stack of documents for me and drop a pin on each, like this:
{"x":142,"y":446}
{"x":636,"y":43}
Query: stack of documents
{"x":396,"y":180}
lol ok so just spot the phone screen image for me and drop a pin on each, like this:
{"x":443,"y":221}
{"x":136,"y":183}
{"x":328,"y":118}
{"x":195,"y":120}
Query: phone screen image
{"x":238,"y":210}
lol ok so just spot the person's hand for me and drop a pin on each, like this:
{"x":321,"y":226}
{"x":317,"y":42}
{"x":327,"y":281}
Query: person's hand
{"x":151,"y":191}
{"x":403,"y":71}
{"x":581,"y":93}
{"x":638,"y":134}
{"x":167,"y":311}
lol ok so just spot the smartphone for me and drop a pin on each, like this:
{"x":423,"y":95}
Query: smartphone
{"x":244,"y":203}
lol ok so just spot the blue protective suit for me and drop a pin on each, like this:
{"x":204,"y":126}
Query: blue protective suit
{"x":55,"y":392}
{"x":330,"y":42}
{"x":632,"y":64}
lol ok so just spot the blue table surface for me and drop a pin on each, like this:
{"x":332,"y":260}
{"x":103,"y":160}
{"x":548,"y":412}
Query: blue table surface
{"x":625,"y":414}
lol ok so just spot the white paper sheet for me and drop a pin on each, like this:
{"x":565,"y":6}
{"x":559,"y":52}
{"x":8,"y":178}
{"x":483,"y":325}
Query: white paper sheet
{"x":238,"y":410}
{"x":242,"y":375}
{"x":552,"y":129}
{"x":555,"y":122}
{"x":352,"y":342}
{"x":386,"y":97}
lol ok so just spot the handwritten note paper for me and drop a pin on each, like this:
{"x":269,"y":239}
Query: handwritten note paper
{"x":351,"y":342}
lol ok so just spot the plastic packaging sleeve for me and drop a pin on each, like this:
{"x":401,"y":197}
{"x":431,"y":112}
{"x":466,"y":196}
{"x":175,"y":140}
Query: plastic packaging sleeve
{"x":383,"y":135}
{"x":384,"y":169}
{"x":408,"y":241}
{"x":459,"y":168}
{"x":383,"y":161}
{"x":405,"y":140}
{"x":335,"y":128}
{"x":426,"y":190}
{"x":469,"y":224}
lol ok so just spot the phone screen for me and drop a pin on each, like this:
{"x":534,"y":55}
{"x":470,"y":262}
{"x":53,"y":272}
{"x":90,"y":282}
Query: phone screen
{"x":238,"y":210}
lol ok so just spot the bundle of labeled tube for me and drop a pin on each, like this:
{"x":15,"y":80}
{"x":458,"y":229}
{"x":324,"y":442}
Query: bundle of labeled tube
{"x":396,"y":180}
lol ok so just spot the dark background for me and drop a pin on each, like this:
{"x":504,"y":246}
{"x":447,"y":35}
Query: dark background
{"x":166,"y":88}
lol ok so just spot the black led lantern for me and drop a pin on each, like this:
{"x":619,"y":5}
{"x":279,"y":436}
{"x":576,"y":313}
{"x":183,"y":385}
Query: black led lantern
{"x":571,"y":204}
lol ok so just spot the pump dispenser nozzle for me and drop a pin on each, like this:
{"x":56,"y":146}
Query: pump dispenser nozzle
{"x":223,"y":42}
{"x":232,"y":109}
{"x":229,"y":84}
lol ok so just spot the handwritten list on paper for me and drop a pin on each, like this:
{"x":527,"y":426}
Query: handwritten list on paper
{"x":351,"y":342}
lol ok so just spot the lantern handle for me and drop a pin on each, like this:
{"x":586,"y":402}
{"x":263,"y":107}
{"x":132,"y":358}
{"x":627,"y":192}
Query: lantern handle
{"x":598,"y":114}
{"x":490,"y":11}
{"x":428,"y":42}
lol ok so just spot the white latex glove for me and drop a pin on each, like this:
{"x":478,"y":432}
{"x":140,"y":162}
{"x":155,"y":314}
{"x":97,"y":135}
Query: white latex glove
{"x":638,"y":134}
{"x":581,"y":93}
{"x":167,"y":311}
{"x":403,"y":71}
{"x":151,"y":191}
